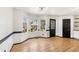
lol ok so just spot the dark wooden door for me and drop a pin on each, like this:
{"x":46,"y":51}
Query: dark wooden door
{"x":66,"y":28}
{"x":52,"y":27}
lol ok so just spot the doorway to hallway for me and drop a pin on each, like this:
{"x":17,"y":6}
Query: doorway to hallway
{"x":66,"y":28}
{"x":52,"y":27}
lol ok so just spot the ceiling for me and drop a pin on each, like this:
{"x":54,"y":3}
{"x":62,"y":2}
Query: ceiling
{"x":51,"y":10}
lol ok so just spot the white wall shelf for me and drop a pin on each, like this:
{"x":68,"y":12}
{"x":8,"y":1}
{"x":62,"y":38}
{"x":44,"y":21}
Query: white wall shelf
{"x":76,"y":24}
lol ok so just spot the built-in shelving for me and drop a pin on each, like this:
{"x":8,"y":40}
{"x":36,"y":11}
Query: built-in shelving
{"x":76,"y":24}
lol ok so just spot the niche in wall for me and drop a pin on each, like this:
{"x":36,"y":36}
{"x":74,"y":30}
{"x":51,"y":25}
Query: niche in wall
{"x":76,"y":24}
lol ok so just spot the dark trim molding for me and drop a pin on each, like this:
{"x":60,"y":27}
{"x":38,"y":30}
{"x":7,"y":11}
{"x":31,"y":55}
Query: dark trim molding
{"x":5,"y":38}
{"x":18,"y":32}
{"x":30,"y":38}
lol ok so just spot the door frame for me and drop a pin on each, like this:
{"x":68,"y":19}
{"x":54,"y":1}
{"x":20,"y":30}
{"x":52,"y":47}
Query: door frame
{"x":70,"y":27}
{"x":50,"y":26}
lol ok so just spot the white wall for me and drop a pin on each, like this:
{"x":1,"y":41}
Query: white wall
{"x":18,"y":19}
{"x":6,"y":18}
{"x":59,"y":30}
{"x":59,"y":24}
{"x":76,"y":34}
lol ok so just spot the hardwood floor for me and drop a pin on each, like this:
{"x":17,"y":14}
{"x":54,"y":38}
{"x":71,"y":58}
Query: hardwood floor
{"x":54,"y":44}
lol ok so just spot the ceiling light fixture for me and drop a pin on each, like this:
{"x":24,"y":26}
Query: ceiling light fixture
{"x":42,"y":8}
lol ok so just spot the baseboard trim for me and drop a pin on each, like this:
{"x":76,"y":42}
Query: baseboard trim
{"x":73,"y":38}
{"x":59,"y":36}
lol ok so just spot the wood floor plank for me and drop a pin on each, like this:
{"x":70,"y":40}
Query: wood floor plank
{"x":54,"y":44}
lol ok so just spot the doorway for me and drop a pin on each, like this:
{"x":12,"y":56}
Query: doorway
{"x":52,"y":27}
{"x":66,"y":28}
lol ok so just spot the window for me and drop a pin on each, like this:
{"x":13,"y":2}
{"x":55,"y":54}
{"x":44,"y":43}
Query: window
{"x":42,"y":27}
{"x":33,"y":25}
